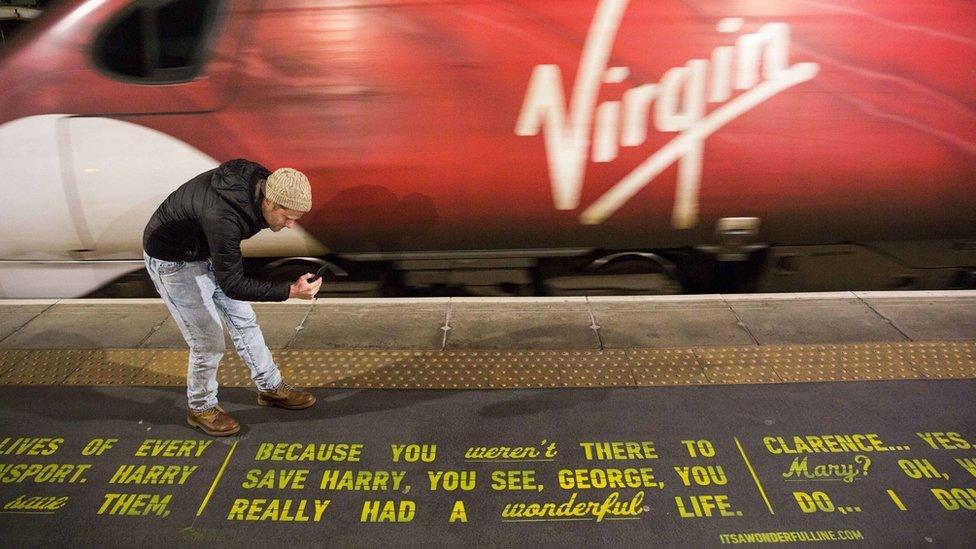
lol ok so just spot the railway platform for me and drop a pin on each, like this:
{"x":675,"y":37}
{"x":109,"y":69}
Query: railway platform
{"x":706,"y":420}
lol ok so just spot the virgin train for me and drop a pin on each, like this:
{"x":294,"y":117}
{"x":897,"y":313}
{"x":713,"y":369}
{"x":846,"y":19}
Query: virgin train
{"x":506,"y":147}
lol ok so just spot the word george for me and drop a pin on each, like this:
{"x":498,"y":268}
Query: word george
{"x":278,"y":510}
{"x":29,"y":446}
{"x":152,"y":474}
{"x":585,"y":479}
{"x":36,"y":503}
{"x":611,"y":506}
{"x":848,"y":472}
{"x":308,"y":452}
{"x":35,"y":472}
{"x":680,"y":104}
{"x":389,"y":512}
{"x":362,"y":480}
{"x":825,"y":443}
{"x":135,"y":504}
{"x":618,"y":450}
{"x":172,"y":448}
{"x":945,"y":441}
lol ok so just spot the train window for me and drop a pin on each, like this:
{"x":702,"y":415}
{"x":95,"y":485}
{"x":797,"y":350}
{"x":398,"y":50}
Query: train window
{"x":157,"y":41}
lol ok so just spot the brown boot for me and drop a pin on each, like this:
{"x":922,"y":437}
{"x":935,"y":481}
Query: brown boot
{"x":286,"y":396}
{"x":214,"y":421}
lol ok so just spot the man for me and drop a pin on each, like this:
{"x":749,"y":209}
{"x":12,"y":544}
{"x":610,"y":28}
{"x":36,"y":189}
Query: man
{"x":192,"y":248}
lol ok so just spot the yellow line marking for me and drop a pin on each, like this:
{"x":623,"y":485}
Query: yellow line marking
{"x":504,"y":460}
{"x":894,"y":498}
{"x":624,"y":518}
{"x":754,"y":477}
{"x":28,"y":512}
{"x":539,"y":520}
{"x":216,"y":480}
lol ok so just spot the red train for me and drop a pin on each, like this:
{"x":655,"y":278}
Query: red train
{"x":538,"y":146}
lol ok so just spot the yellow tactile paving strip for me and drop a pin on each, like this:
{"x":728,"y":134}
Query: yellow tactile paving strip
{"x":483,"y":369}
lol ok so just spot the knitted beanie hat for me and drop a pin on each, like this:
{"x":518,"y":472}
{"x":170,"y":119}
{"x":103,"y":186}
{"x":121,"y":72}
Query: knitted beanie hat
{"x":289,"y":188}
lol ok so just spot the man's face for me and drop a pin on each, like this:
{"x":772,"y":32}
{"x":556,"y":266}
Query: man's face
{"x":279,"y":217}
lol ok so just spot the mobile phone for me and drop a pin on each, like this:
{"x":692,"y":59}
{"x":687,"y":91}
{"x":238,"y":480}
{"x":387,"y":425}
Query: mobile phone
{"x":318,"y":274}
{"x":327,"y":269}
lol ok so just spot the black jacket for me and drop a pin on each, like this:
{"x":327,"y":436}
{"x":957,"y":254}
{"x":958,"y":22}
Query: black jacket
{"x":207,"y":217}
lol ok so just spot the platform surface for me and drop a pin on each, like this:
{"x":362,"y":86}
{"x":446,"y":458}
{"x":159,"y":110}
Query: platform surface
{"x":517,"y":323}
{"x":688,"y":421}
{"x":868,"y":464}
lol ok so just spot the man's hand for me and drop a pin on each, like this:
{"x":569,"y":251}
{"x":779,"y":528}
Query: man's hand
{"x":302,"y":289}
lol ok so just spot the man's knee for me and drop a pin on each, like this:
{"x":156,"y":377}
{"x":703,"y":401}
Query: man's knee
{"x":208,"y":350}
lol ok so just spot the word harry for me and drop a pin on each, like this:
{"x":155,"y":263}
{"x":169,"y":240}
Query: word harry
{"x":679,"y":101}
{"x":152,"y":474}
{"x":172,"y":448}
{"x":825,"y":444}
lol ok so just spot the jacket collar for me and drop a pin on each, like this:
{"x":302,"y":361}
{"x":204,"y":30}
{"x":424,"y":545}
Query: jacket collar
{"x":258,"y":195}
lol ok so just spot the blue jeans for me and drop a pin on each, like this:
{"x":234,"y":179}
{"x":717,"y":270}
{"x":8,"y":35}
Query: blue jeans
{"x":201,"y":309}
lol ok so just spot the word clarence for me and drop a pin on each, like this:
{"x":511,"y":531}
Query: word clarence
{"x":810,"y":444}
{"x":679,"y":99}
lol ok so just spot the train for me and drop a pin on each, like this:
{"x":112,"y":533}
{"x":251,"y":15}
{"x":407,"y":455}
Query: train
{"x":494,"y":147}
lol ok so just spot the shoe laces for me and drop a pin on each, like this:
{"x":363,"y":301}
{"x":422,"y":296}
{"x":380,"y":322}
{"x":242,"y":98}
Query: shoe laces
{"x":287,"y":388}
{"x":210,"y":412}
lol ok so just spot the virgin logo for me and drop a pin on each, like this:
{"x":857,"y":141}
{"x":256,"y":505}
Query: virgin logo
{"x":758,"y":63}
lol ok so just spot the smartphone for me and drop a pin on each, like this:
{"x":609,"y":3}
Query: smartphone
{"x":327,"y":269}
{"x":318,"y":274}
